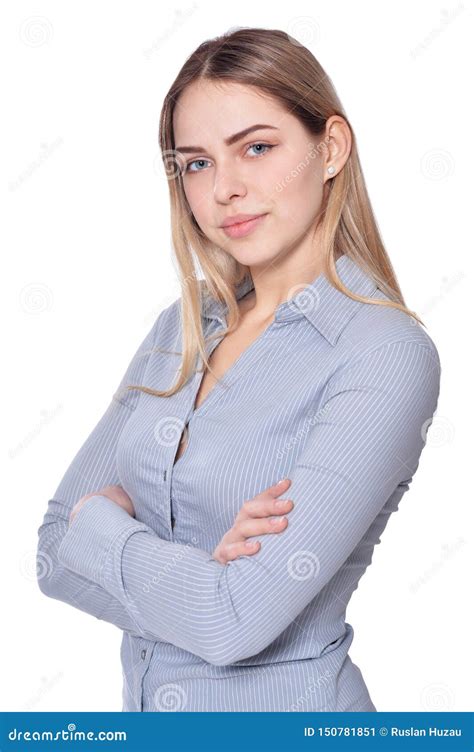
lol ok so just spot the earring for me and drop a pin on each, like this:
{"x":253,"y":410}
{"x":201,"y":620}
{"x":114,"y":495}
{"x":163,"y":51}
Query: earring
{"x":331,"y":170}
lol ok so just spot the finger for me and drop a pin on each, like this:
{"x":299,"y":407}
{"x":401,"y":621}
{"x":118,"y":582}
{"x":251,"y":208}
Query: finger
{"x":278,"y":488}
{"x":233,"y":550}
{"x":273,"y":492}
{"x":249,"y":528}
{"x":260,"y":507}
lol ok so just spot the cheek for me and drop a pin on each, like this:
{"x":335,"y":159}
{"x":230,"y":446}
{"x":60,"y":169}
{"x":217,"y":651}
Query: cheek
{"x":198,"y":199}
{"x":299,"y":193}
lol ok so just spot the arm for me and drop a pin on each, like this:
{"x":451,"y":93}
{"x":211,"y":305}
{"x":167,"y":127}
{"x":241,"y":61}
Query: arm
{"x":94,"y":466}
{"x":367,"y":440}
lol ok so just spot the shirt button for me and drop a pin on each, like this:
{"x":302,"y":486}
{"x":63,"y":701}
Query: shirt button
{"x":143,"y":654}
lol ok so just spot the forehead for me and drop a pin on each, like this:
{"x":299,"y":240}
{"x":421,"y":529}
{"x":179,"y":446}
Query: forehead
{"x":209,"y":110}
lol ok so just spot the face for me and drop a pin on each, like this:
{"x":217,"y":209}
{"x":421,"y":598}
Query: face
{"x":277,"y":171}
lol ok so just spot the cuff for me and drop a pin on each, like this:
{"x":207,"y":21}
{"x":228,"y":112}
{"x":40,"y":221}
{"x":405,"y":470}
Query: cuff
{"x":99,"y":527}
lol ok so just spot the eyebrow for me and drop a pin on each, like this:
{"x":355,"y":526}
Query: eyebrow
{"x":230,"y":139}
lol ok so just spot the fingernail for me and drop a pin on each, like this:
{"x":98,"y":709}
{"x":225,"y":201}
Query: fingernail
{"x":281,"y":503}
{"x":277,"y":520}
{"x":280,"y":482}
{"x":251,"y":544}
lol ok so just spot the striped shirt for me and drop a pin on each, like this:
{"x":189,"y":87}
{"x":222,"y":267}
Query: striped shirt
{"x":336,"y":395}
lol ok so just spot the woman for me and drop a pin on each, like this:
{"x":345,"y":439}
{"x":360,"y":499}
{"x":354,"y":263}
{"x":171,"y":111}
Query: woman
{"x":296,"y":359}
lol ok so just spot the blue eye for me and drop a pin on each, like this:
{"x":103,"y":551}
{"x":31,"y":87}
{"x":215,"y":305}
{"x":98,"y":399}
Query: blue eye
{"x":265,"y":146}
{"x":193,"y":162}
{"x":251,"y":146}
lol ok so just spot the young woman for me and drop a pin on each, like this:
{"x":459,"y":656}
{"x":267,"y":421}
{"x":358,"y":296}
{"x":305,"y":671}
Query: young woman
{"x":294,"y":358}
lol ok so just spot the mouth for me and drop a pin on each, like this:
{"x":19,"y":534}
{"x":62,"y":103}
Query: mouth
{"x":241,"y":228}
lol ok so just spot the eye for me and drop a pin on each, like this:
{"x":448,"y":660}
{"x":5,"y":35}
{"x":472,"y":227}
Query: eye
{"x":267,"y":147}
{"x":194,"y":161}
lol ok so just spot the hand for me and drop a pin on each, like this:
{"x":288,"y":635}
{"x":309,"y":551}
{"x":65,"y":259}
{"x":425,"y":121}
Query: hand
{"x":252,"y":520}
{"x":114,"y":493}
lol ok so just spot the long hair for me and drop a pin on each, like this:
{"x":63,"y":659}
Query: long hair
{"x":280,"y":66}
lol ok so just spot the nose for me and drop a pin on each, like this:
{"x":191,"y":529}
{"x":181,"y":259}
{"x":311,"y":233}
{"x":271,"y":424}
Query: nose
{"x":228,"y":184}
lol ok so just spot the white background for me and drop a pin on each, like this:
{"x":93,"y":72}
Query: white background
{"x":87,"y":251}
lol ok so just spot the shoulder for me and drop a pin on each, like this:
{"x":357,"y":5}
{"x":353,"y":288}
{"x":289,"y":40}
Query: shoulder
{"x":377,"y":327}
{"x":385,"y":350}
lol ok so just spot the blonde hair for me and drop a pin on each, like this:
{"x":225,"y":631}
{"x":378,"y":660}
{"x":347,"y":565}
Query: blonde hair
{"x":278,"y":65}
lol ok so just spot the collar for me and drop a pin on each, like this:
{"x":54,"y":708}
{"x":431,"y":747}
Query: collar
{"x":326,"y":308}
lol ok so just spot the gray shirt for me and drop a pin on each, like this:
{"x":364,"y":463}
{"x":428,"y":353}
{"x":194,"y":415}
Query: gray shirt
{"x":336,"y":395}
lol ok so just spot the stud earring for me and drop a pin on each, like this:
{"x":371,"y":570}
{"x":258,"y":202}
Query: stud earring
{"x":331,"y":170}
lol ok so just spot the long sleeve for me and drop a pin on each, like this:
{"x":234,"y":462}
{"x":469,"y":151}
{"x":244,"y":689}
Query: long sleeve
{"x":362,"y":442}
{"x":93,"y":467}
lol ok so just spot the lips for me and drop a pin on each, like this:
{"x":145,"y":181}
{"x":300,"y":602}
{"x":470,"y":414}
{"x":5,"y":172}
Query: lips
{"x":241,"y":229}
{"x":238,"y":219}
